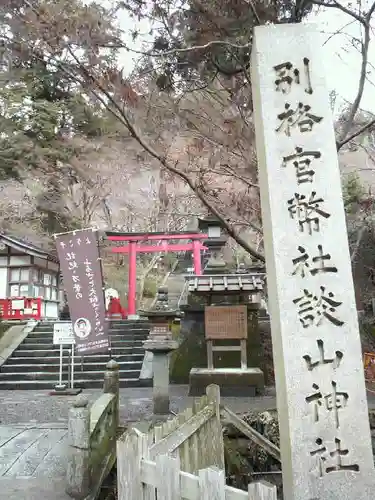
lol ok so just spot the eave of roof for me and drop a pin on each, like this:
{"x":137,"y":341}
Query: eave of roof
{"x":27,"y":248}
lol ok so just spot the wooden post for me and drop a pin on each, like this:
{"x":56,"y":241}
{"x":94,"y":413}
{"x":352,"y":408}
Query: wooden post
{"x":197,"y":257}
{"x":78,"y":474}
{"x":129,"y":455}
{"x":210,"y":355}
{"x":216,"y":437}
{"x":112,"y":384}
{"x":212,"y":484}
{"x":261,"y":490}
{"x":132,"y":286}
{"x":168,"y":474}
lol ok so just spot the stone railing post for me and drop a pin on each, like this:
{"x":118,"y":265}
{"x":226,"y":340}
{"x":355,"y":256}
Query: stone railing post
{"x":78,"y":471}
{"x":112,"y":383}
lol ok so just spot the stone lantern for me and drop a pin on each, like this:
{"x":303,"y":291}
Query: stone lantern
{"x":160,"y":343}
{"x":215,"y":244}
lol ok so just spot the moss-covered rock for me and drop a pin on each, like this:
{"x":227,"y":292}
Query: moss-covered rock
{"x":192,"y":349}
{"x":245,"y":460}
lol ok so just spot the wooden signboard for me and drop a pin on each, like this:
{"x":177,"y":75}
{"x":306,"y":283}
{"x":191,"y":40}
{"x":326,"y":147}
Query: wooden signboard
{"x":225,"y":322}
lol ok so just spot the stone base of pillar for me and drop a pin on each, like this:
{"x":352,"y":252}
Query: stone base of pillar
{"x":234,"y":382}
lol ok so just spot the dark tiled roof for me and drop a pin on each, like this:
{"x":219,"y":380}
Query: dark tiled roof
{"x":228,"y":283}
{"x":27,"y":246}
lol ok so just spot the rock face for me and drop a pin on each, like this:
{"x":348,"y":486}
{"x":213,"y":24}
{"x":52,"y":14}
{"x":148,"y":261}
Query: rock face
{"x":245,"y":461}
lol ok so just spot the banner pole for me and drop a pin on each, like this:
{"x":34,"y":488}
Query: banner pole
{"x":61,"y":365}
{"x":72,"y":369}
{"x":103,"y":288}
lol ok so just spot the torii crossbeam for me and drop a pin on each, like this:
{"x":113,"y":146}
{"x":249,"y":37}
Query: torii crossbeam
{"x":134,"y":239}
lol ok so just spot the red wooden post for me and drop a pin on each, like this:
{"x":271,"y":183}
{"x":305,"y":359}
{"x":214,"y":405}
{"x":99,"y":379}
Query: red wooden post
{"x":132,"y":288}
{"x":197,"y":257}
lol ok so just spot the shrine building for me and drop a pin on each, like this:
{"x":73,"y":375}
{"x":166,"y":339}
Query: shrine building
{"x":29,"y":281}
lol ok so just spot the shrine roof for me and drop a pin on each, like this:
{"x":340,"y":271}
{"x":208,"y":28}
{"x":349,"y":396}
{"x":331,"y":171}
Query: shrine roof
{"x":228,"y":283}
{"x":27,"y":247}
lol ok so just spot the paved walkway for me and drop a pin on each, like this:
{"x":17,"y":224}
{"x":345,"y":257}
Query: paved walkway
{"x":34,"y":407}
{"x":33,"y":434}
{"x":33,"y":461}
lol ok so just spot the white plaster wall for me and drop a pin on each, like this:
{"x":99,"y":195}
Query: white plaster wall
{"x":20,"y":260}
{"x":3,"y":282}
{"x":50,"y":309}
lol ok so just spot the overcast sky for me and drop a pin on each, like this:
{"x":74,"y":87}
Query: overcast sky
{"x":342,"y":60}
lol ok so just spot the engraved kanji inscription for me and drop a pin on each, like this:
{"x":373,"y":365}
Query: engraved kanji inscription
{"x":318,"y":264}
{"x":301,"y":160}
{"x":287,"y":74}
{"x":313,"y":309}
{"x":333,"y":402}
{"x":307,"y":211}
{"x":331,"y":459}
{"x":322,"y":360}
{"x":316,"y":400}
{"x":299,"y":118}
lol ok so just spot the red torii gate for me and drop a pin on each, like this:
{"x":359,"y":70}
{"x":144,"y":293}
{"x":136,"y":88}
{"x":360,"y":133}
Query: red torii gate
{"x":135,"y":246}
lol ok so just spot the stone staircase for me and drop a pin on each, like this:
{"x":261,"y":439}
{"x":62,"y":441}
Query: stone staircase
{"x":35,"y":363}
{"x":175,"y":285}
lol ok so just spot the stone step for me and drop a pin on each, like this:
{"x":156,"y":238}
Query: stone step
{"x":43,"y":339}
{"x":87,"y":366}
{"x":35,"y":363}
{"x":50,"y":346}
{"x":130,"y":323}
{"x":118,"y":341}
{"x":30,"y":360}
{"x":52,"y":376}
{"x":142,"y":334}
{"x":115,"y":331}
{"x":79,"y":383}
{"x":24,"y":352}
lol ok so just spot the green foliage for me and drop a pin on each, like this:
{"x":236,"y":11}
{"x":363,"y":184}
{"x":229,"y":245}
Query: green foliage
{"x":45,"y":115}
{"x":41,"y":108}
{"x":353,"y":192}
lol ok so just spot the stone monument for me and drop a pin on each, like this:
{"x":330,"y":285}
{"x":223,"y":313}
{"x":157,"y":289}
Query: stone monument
{"x":321,"y":396}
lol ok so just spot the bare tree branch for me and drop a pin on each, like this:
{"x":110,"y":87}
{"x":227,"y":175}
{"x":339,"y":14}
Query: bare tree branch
{"x":365,"y":21}
{"x":368,"y":126}
{"x":188,"y":49}
{"x":336,"y":5}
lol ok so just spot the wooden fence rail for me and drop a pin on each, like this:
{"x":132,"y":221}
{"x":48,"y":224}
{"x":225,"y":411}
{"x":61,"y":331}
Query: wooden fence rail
{"x":184,"y":457}
{"x":142,"y":479}
{"x":195,"y":435}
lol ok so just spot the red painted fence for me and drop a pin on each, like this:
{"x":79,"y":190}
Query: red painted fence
{"x":32,"y":308}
